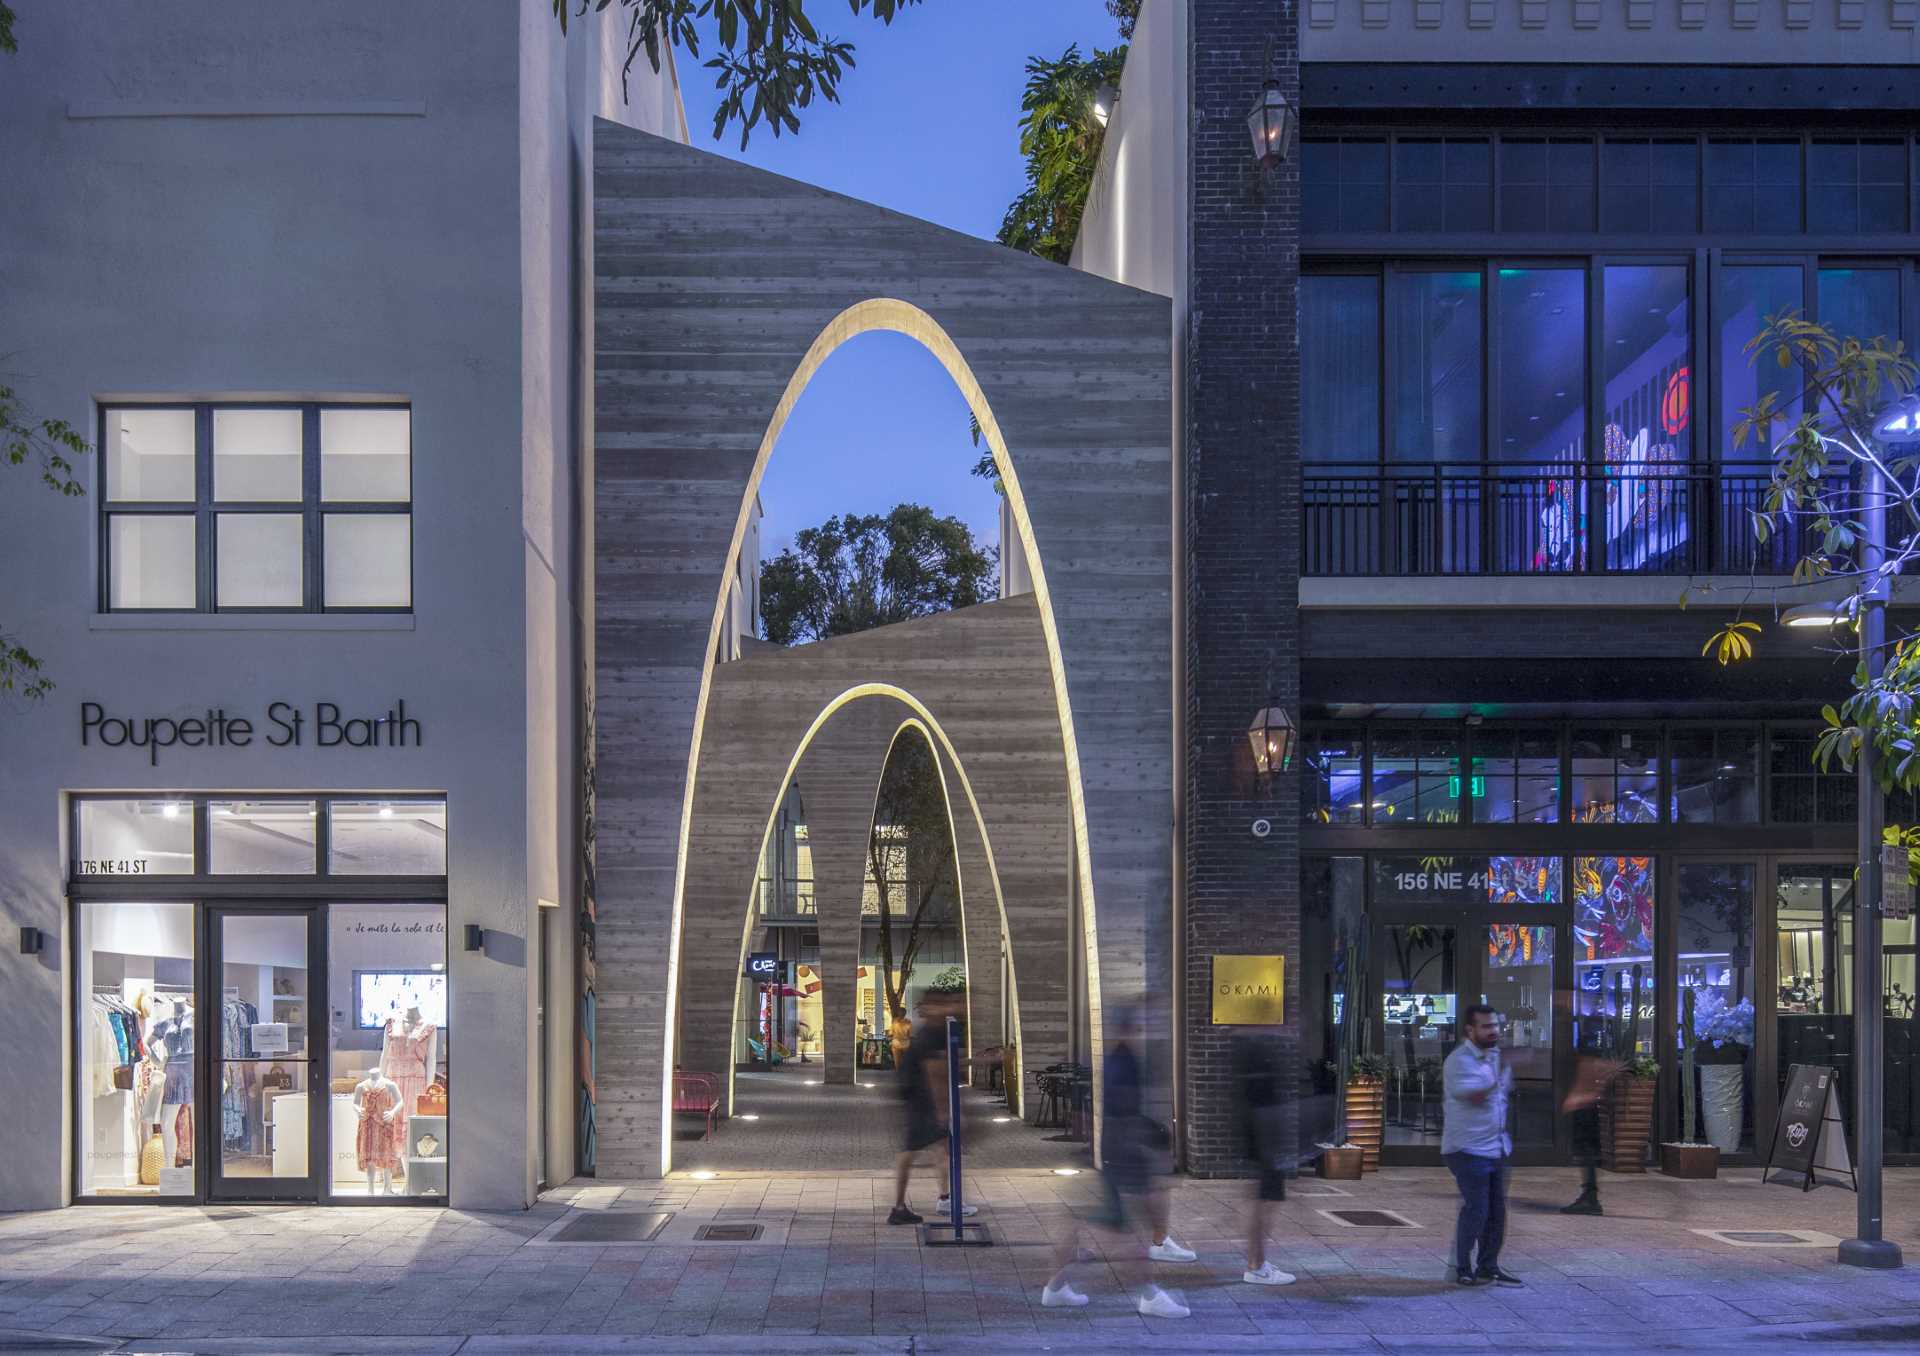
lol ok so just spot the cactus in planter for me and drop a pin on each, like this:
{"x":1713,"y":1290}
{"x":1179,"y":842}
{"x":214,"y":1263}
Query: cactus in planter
{"x":1689,"y":1095}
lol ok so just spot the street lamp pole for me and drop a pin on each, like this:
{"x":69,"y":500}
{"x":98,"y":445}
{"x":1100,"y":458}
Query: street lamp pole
{"x":1868,"y":1248}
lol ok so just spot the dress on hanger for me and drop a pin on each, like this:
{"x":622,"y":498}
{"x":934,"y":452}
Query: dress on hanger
{"x":377,"y":1143}
{"x":403,"y":1056}
{"x":177,"y":1035}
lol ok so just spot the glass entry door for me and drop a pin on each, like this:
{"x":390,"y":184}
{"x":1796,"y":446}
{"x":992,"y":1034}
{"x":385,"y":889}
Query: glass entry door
{"x":262,"y":1093}
{"x":1430,"y":972}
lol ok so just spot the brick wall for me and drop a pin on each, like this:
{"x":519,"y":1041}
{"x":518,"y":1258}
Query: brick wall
{"x":1242,"y":542}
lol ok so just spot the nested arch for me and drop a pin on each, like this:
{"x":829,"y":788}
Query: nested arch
{"x":900,"y":317}
{"x":719,"y":289}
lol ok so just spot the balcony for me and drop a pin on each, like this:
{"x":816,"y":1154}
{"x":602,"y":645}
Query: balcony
{"x":1366,"y":519}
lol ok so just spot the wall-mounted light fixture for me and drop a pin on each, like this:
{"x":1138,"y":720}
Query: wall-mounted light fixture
{"x":1272,"y":125}
{"x":32,"y":941}
{"x":1104,"y":99}
{"x":1272,"y":736}
{"x":476,"y":937}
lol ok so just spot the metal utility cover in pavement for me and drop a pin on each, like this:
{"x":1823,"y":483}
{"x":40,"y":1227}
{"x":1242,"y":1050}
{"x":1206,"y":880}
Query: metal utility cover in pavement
{"x":612,"y":1226}
{"x":1369,"y":1219}
{"x":726,"y":1233}
{"x":1770,"y":1238}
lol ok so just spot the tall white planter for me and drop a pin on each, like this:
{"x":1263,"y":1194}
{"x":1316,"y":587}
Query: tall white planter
{"x":1722,"y":1090}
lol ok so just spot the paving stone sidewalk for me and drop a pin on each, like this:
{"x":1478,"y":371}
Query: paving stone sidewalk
{"x":830,"y":1275}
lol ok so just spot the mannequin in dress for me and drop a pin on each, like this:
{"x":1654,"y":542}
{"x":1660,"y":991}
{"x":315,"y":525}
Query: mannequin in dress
{"x":408,"y":1054}
{"x":377,"y":1144}
{"x":170,"y":1053}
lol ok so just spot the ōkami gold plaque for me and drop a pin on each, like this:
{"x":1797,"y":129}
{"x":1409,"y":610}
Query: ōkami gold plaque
{"x":1249,"y":990}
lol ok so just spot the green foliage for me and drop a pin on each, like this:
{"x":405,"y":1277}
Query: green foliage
{"x":1060,"y":138}
{"x":860,"y":571}
{"x":953,"y":979}
{"x":910,"y":811}
{"x":7,"y":44}
{"x":1819,"y":437}
{"x":1368,"y":1068}
{"x":772,"y":61}
{"x":51,"y":445}
{"x":1643,"y":1066}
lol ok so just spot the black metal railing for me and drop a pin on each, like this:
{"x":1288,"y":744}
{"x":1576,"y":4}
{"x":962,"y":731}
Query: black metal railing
{"x":1509,"y":518}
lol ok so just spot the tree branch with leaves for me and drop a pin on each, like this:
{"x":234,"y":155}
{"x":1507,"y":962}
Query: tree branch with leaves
{"x":1827,"y":466}
{"x":910,"y":815}
{"x":860,"y":571}
{"x":771,"y":64}
{"x":53,"y":447}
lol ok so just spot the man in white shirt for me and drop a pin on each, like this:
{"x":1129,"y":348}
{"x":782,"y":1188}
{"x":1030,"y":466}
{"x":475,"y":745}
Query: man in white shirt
{"x":1476,"y":1146}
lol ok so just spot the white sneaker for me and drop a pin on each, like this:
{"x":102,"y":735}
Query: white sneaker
{"x":1157,"y":1303}
{"x":1062,"y":1297}
{"x":1268,"y":1274}
{"x":944,"y":1206}
{"x":1171,"y":1251}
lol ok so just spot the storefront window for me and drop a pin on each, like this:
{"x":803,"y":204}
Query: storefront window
{"x":146,"y":837}
{"x":1647,"y":433}
{"x":1714,"y":775}
{"x":1543,"y":364}
{"x":134,"y":1049}
{"x":1616,"y":776}
{"x":1331,"y":789}
{"x":390,"y":1015}
{"x":1613,"y":966}
{"x":1339,"y":367}
{"x":1861,"y":303}
{"x":1799,"y":791}
{"x":1416,"y":776}
{"x":1716,"y":1003}
{"x":1749,"y":297}
{"x":1435,"y":351}
{"x":1516,"y":776}
{"x":388,"y":838}
{"x":261,"y":837}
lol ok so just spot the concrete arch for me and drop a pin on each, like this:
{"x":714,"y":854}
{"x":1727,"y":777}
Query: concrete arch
{"x":719,"y":291}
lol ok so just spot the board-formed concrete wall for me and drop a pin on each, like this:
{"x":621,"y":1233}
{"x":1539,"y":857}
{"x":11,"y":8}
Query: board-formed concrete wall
{"x":719,"y":289}
{"x":978,"y":683}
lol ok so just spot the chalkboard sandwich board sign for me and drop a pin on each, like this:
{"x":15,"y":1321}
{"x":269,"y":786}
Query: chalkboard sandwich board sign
{"x":1809,"y":1136}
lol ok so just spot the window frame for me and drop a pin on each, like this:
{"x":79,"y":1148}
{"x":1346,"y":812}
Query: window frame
{"x":205,"y":510}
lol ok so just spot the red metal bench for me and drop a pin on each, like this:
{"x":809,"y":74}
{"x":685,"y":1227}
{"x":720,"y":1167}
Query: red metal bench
{"x":698,"y":1093}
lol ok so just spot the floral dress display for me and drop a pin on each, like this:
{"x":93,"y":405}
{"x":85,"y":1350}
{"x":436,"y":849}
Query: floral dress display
{"x":403,"y":1057}
{"x":377,"y":1145}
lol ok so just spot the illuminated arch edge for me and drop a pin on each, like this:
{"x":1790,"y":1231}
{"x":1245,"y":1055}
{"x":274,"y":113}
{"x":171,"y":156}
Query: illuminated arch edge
{"x":929,"y":726}
{"x":892,"y":315}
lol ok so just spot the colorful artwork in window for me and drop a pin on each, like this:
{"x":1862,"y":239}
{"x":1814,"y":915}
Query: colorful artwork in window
{"x":1511,"y":944}
{"x":1613,"y":908}
{"x":1523,"y":880}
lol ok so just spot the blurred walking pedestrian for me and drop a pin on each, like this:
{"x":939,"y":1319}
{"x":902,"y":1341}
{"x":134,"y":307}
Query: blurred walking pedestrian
{"x":1475,"y":1144}
{"x":1590,"y":1078}
{"x":1132,"y":1147}
{"x":1260,"y":1077}
{"x":923,"y":1091}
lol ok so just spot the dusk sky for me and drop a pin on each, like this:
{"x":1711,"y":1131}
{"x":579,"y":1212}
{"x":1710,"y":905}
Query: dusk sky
{"x":926,"y":125}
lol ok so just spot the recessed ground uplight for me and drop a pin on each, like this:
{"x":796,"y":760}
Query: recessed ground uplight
{"x":1001,"y":1120}
{"x":866,"y":1085}
{"x":703,"y":1175}
{"x":810,"y":1082}
{"x":748,"y":1116}
{"x":1066,"y":1172}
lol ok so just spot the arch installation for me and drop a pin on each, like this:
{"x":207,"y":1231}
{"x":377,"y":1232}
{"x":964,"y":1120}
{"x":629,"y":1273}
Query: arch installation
{"x":719,"y":291}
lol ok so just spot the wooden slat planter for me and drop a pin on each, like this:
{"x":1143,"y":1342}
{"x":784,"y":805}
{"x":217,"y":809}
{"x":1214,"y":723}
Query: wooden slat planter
{"x":1626,"y":1123}
{"x":1366,"y":1119}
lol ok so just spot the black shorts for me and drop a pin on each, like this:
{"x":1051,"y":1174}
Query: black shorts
{"x":923,"y":1129}
{"x":1273,"y":1184}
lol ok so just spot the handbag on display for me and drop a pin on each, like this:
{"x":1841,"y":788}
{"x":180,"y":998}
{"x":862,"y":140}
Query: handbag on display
{"x":344,"y":1084}
{"x":432,"y":1102}
{"x":276,"y":1077}
{"x":123,"y":1078}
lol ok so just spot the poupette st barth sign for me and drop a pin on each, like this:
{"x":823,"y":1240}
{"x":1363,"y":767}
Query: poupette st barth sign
{"x":286,"y":725}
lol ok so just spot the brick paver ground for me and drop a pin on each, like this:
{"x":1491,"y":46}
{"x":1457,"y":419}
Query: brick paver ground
{"x":831,"y":1275}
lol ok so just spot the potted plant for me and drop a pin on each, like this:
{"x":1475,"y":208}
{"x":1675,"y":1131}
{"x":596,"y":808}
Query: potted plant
{"x":1367,"y":1106}
{"x":1686,"y":1156}
{"x":1626,"y":1116}
{"x":1725,"y":1037}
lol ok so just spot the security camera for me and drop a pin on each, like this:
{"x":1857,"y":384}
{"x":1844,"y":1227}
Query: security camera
{"x":1262,"y":827}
